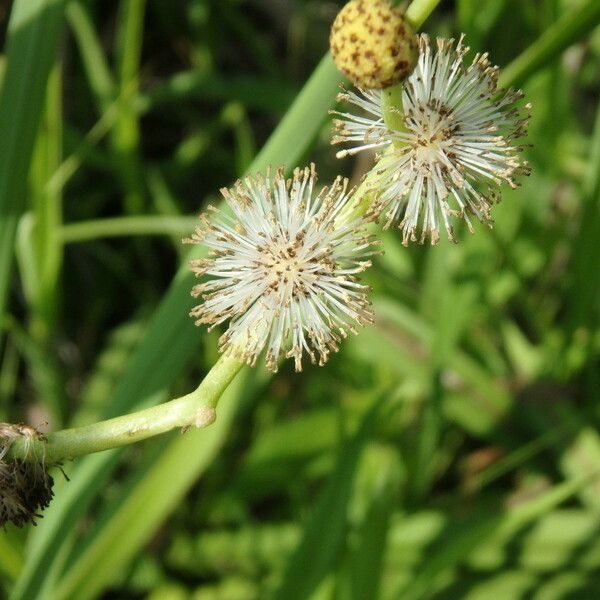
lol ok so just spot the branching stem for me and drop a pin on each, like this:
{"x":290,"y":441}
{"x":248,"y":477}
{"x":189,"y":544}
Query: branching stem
{"x":196,"y":409}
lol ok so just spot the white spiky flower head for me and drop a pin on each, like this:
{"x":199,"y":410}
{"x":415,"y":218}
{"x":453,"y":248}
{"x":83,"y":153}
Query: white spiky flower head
{"x":455,"y":146}
{"x":283,"y":268}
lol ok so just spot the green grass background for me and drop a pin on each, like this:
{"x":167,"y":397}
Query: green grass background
{"x":449,"y":451}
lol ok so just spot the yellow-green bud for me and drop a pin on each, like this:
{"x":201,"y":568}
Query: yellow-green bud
{"x":372,"y":44}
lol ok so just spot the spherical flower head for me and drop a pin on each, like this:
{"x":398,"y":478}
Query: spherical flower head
{"x":456,"y":146}
{"x":283,"y":268}
{"x":372,"y":43}
{"x":25,"y":486}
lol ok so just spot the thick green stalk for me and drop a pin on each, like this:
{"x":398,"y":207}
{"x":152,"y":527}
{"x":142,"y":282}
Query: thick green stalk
{"x":196,"y":409}
{"x":419,"y":10}
{"x":391,"y":105}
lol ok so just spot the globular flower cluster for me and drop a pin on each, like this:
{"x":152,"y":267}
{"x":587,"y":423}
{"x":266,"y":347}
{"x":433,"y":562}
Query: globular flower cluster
{"x":283,"y":268}
{"x":456,"y":145}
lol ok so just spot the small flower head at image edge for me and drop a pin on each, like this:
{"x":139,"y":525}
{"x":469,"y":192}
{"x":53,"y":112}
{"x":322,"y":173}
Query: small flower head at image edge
{"x":25,"y":485}
{"x":283,"y":268}
{"x":456,"y":143}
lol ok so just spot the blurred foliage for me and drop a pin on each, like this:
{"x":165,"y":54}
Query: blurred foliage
{"x":450,"y":451}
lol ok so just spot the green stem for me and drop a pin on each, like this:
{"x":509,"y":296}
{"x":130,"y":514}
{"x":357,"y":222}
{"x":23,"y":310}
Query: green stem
{"x":127,"y":226}
{"x":391,"y":105}
{"x":196,"y":409}
{"x":419,"y":10}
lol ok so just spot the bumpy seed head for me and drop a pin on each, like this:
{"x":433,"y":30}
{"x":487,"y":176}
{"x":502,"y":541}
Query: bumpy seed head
{"x":372,"y":44}
{"x":25,"y":486}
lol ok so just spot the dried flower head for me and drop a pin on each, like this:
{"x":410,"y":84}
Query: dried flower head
{"x":372,"y":43}
{"x":283,"y":269}
{"x":25,"y":486}
{"x":458,"y":135}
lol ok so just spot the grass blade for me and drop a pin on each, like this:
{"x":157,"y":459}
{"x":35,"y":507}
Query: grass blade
{"x":11,"y":560}
{"x":571,"y":27}
{"x":34,"y":33}
{"x":462,"y":542}
{"x":314,"y":557}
